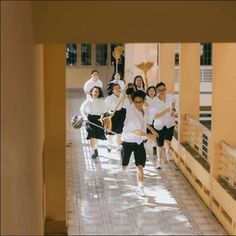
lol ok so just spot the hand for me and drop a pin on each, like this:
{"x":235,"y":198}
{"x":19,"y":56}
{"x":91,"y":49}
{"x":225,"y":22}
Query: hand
{"x":152,"y":137}
{"x":146,"y":104}
{"x":167,"y":110}
{"x":172,"y":113}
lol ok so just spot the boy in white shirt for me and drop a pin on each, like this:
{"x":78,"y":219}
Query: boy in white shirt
{"x":134,"y":134}
{"x":164,"y":121}
{"x":92,"y":82}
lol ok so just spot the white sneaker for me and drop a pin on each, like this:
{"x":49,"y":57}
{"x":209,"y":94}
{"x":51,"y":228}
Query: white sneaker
{"x":141,"y":192}
{"x":158,"y":164}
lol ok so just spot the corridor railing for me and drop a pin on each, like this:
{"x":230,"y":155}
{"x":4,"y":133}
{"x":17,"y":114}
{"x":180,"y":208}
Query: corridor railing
{"x":199,"y":138}
{"x":227,"y":164}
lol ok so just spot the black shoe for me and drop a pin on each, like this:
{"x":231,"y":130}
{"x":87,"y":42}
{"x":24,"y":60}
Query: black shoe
{"x":96,"y":152}
{"x":93,"y":156}
{"x":154,"y":150}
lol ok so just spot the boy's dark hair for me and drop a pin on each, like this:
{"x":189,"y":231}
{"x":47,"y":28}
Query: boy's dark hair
{"x":94,"y":71}
{"x":160,"y":84}
{"x":138,"y":93}
{"x":100,"y":91}
{"x":150,"y":87}
{"x":110,"y":88}
{"x":135,"y":78}
{"x":130,"y":90}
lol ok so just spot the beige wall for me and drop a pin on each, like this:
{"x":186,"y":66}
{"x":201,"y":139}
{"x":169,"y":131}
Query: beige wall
{"x":77,"y":76}
{"x":22,"y":122}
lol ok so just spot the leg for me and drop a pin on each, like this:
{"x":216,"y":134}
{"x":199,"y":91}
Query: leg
{"x":118,"y":142}
{"x":160,"y":144}
{"x":127,"y":149}
{"x":140,"y":159}
{"x":93,"y":144}
{"x":168,"y":137}
{"x":109,"y":138}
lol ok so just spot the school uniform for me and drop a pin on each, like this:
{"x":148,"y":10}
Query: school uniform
{"x":119,"y":116}
{"x":92,"y":109}
{"x":152,"y":107}
{"x":90,"y":84}
{"x":165,"y":124}
{"x":134,"y":120}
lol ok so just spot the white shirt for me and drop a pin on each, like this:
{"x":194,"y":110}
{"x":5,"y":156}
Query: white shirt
{"x":93,"y":107}
{"x":112,"y":101}
{"x":152,"y":107}
{"x":165,"y":120}
{"x":90,"y":84}
{"x":134,"y":120}
{"x":120,"y":82}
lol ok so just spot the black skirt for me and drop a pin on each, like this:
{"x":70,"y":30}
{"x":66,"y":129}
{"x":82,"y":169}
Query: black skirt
{"x":118,"y":121}
{"x":93,"y":131}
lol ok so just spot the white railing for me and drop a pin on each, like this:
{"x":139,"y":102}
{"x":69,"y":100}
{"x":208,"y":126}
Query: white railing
{"x":205,"y":73}
{"x":198,"y":137}
{"x":227,"y":164}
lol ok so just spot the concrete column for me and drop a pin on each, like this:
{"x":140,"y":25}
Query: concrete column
{"x":54,"y":154}
{"x":189,"y":84}
{"x":136,"y":53}
{"x":167,"y":65}
{"x":223,"y":99}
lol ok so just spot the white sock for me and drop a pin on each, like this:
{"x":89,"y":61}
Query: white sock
{"x":140,"y":184}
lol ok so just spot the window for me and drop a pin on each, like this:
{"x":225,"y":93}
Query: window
{"x":85,"y":54}
{"x":101,"y":54}
{"x":205,"y":59}
{"x":71,"y":54}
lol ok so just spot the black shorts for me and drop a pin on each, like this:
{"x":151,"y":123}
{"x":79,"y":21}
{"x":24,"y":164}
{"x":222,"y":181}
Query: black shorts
{"x":139,"y":153}
{"x":164,"y":134}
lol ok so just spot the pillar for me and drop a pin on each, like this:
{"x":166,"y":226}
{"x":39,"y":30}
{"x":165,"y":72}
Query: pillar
{"x":54,"y":152}
{"x":189,"y":84}
{"x":167,"y":65}
{"x":223,"y":98}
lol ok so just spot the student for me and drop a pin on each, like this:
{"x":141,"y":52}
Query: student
{"x":151,"y":101}
{"x":164,"y":121}
{"x":93,"y":81}
{"x":112,"y":101}
{"x":139,"y":83}
{"x":116,"y":79}
{"x":93,"y":109}
{"x":133,"y":137}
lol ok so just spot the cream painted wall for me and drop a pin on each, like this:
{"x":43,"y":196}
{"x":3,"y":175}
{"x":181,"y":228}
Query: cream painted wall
{"x":22,"y":133}
{"x":136,"y":53}
{"x":76,"y":77}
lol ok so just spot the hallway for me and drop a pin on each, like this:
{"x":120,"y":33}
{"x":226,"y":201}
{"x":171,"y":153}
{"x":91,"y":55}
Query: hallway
{"x":101,"y":200}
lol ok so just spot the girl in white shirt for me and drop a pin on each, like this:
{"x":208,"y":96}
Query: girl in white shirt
{"x":116,"y":79}
{"x":93,"y":109}
{"x":115,"y":97}
{"x":151,"y":101}
{"x":139,"y":83}
{"x":93,"y":81}
{"x":133,"y":136}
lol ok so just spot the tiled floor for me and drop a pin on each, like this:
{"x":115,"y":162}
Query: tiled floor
{"x":101,"y":200}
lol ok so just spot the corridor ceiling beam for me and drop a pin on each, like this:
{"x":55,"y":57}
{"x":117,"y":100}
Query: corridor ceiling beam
{"x":134,"y":21}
